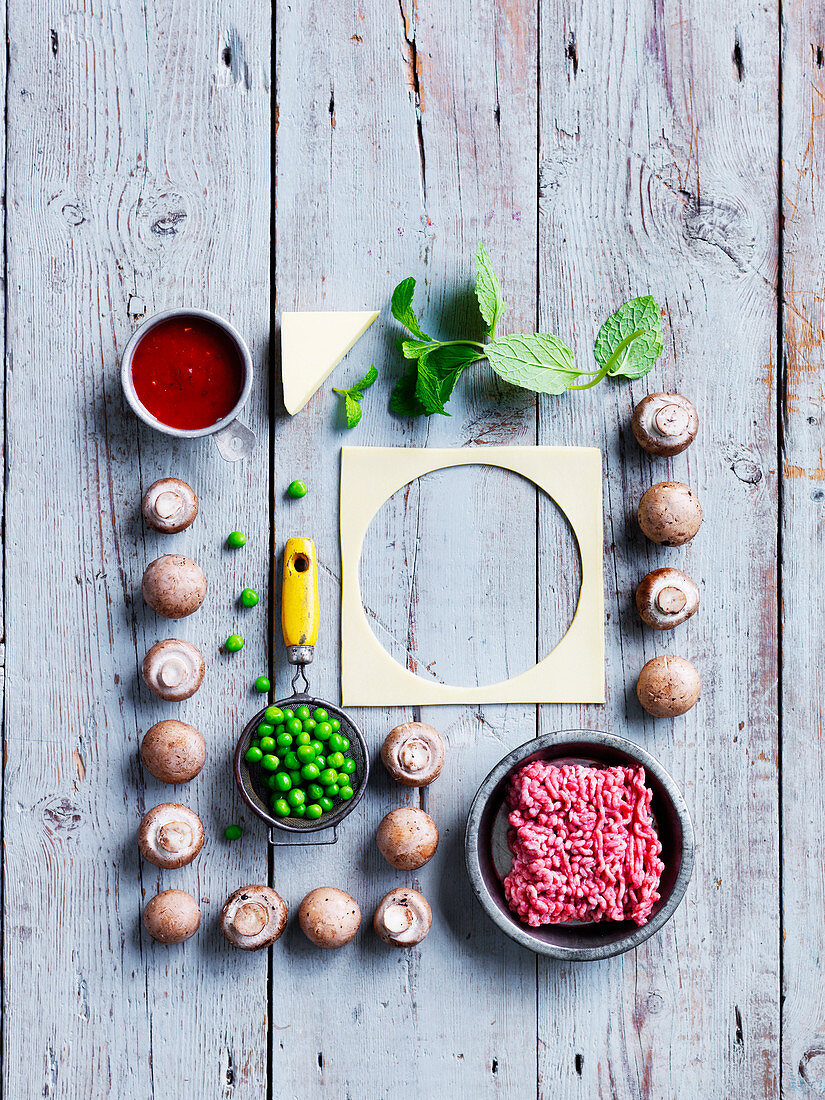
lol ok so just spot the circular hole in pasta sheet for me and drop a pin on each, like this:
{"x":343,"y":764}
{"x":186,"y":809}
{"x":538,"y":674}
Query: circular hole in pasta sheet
{"x":450,"y":581}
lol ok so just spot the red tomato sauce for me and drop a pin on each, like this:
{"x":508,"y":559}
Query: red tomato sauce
{"x":187,"y":372}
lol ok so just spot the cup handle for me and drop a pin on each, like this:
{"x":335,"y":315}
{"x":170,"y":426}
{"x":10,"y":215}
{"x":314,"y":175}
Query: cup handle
{"x":235,"y":441}
{"x":300,"y":839}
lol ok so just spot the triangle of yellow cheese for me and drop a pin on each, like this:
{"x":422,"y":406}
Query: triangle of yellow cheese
{"x":312,"y":345}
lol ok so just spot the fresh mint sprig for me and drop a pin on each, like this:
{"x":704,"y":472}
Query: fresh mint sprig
{"x":353,"y":396}
{"x":628,"y":344}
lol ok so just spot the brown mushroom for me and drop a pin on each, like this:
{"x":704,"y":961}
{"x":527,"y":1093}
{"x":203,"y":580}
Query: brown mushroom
{"x":173,"y":751}
{"x":407,"y":838}
{"x":329,"y":917}
{"x":668,"y":686}
{"x":172,"y":916}
{"x":666,"y":598}
{"x":174,"y":586}
{"x":170,"y":835}
{"x":173,"y":669}
{"x":253,"y":917}
{"x":403,"y":918}
{"x":665,"y":423}
{"x":169,"y":505}
{"x":670,"y":513}
{"x":413,"y":754}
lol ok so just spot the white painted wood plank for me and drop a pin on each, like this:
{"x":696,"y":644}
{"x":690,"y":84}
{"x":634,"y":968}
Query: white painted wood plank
{"x":803,"y":493}
{"x":462,"y":1007}
{"x":139,"y":173}
{"x":659,"y":174}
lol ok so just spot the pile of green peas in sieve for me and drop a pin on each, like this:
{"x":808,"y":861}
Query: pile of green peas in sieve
{"x":298,"y":760}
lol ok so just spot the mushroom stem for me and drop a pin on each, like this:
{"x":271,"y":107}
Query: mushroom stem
{"x":250,"y":919}
{"x":397,"y":919}
{"x":172,"y":672}
{"x":168,"y":504}
{"x":671,"y":601}
{"x":672,"y":420}
{"x":414,"y":755}
{"x":175,"y":836}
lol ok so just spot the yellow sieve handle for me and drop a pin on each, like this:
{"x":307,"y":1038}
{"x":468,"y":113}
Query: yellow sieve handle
{"x":299,"y":600}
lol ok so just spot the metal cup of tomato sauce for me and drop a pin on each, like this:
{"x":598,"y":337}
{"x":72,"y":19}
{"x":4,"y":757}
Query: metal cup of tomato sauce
{"x":188,"y":373}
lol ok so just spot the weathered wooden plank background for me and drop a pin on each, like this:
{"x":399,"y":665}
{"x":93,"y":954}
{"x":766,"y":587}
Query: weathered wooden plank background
{"x":255,"y":159}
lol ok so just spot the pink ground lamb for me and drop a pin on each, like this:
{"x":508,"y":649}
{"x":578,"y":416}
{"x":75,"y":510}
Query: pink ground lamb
{"x":583,"y":843}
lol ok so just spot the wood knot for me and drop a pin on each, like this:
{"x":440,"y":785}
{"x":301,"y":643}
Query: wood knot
{"x":747,"y":471}
{"x":812,"y":1067}
{"x":167,"y":224}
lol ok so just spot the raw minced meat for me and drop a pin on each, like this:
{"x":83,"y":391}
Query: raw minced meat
{"x":583,"y":843}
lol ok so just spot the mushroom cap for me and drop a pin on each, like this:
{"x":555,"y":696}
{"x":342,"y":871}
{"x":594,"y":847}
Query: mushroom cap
{"x":173,"y":669}
{"x":253,"y":917}
{"x":174,"y":586}
{"x":172,"y":916}
{"x":665,"y":423}
{"x":169,"y":505}
{"x":413,"y":754}
{"x":407,"y":838}
{"x":670,"y":513}
{"x":170,"y":835}
{"x":668,"y":686}
{"x":403,"y":918}
{"x":329,"y":917}
{"x":666,"y":597}
{"x":173,"y":751}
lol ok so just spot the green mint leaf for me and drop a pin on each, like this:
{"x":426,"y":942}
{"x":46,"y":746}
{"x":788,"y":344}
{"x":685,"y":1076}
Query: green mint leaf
{"x":428,"y":388}
{"x":366,"y":381}
{"x":541,"y":362}
{"x":413,"y":349}
{"x":638,"y":357}
{"x":403,"y":401}
{"x":488,"y":291}
{"x":402,"y":310}
{"x":352,"y":410}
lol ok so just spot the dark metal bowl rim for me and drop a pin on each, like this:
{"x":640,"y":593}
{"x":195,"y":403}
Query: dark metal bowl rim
{"x":334,"y":817}
{"x":512,"y":927}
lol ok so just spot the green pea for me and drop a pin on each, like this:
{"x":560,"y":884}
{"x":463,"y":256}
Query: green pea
{"x":295,"y":777}
{"x":344,"y":744}
{"x":265,"y":729}
{"x":291,"y":762}
{"x":309,"y":724}
{"x":282,"y":781}
{"x":305,"y":753}
{"x":281,"y":807}
{"x":328,"y":776}
{"x":233,"y":643}
{"x":321,"y":761}
{"x":296,"y":798}
{"x":299,"y":811}
{"x":336,"y":725}
{"x":235,"y":540}
{"x":252,"y":755}
{"x":293,"y":725}
{"x":325,"y":804}
{"x":320,"y":715}
{"x":268,"y":744}
{"x":314,"y":811}
{"x":348,"y":766}
{"x":315,"y":791}
{"x":346,"y":793}
{"x":288,"y":714}
{"x":270,"y":762}
{"x":233,"y":832}
{"x":310,"y":771}
{"x":271,"y":782}
{"x":332,"y":790}
{"x":323,"y":731}
{"x":255,"y":742}
{"x":273,"y":715}
{"x":302,"y":712}
{"x":249,"y":597}
{"x":317,"y":746}
{"x":336,"y":742}
{"x":296,"y":490}
{"x":262,"y":685}
{"x":336,"y":760}
{"x":303,"y":738}
{"x":283,"y":740}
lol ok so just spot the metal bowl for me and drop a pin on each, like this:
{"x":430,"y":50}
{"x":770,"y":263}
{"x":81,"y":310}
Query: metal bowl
{"x":488,"y":857}
{"x":357,"y":750}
